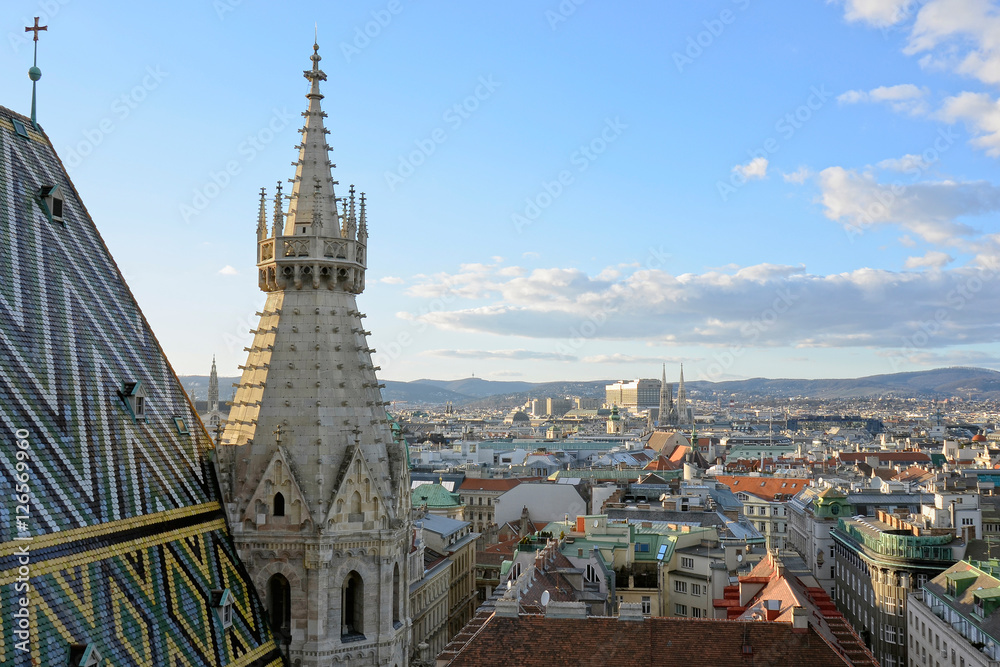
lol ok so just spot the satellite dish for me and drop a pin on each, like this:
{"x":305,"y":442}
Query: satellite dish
{"x":596,"y":523}
{"x":739,"y":558}
{"x":545,"y":598}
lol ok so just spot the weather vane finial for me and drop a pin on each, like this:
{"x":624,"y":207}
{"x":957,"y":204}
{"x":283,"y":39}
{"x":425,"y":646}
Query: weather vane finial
{"x":34,"y":73}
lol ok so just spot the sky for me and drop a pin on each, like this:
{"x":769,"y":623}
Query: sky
{"x":558,"y":190}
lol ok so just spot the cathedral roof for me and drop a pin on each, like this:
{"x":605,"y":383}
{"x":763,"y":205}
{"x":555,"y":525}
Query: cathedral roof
{"x":126,"y":538}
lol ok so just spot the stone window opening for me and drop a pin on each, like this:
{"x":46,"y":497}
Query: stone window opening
{"x":353,"y":607}
{"x":279,"y":504}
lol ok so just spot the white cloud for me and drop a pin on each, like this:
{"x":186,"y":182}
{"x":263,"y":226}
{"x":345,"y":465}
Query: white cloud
{"x":799,"y":176}
{"x":879,"y":13}
{"x":748,"y":307}
{"x":391,"y":280}
{"x":933,"y":259}
{"x":906,"y":241}
{"x":963,"y":35}
{"x":903,"y":98}
{"x":981,"y":114}
{"x":928,"y":209}
{"x":516,"y":355}
{"x":530,"y":254}
{"x":907,"y":163}
{"x":755,"y":168}
{"x":228,"y":271}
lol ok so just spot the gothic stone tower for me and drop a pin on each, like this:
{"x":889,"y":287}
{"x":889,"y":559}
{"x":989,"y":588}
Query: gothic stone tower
{"x":316,"y":481}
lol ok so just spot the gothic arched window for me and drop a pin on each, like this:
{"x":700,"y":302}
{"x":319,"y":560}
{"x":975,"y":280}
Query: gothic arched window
{"x":395,"y":594}
{"x":279,"y":505}
{"x":353,"y":605}
{"x":279,"y":604}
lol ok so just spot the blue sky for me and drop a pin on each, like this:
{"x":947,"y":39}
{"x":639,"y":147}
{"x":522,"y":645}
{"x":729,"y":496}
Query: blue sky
{"x":557,"y":190}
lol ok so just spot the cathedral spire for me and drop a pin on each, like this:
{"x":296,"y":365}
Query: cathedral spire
{"x":313,"y":162}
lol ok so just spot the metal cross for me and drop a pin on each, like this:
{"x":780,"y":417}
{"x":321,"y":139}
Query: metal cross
{"x":35,"y":28}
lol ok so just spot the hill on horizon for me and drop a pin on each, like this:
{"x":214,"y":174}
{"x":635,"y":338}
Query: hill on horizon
{"x":939,"y":383}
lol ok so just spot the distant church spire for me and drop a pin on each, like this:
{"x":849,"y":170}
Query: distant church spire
{"x":213,"y":387}
{"x":682,"y":409}
{"x":666,"y":399}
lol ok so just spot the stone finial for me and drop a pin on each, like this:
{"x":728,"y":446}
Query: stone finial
{"x":262,"y":217}
{"x":279,"y":218}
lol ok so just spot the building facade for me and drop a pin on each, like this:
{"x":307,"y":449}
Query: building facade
{"x":879,"y":562}
{"x":315,"y":476}
{"x":955,"y":618}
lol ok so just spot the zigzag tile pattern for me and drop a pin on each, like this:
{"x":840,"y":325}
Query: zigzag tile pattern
{"x":124,"y":528}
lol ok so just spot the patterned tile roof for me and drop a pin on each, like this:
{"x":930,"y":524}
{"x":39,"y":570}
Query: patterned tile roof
{"x":123,"y":525}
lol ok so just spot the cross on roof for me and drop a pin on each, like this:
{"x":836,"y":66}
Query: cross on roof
{"x":36,"y":28}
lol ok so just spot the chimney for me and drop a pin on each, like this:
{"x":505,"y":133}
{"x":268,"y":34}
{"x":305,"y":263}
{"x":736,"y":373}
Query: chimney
{"x":556,"y":609}
{"x":772,"y":609}
{"x":507,"y":608}
{"x":630,"y":611}
{"x":800,"y":619}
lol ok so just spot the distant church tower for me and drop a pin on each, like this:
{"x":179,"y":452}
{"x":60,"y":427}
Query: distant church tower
{"x":682,"y":407}
{"x":213,"y":417}
{"x":317,"y":484}
{"x":213,"y":389}
{"x":666,"y":399}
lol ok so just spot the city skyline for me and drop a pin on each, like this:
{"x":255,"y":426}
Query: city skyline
{"x":566,"y":191}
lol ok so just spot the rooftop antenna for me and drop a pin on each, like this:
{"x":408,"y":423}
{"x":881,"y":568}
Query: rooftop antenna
{"x":34,"y":73}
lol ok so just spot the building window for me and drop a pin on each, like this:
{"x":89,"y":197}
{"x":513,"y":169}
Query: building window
{"x":696,"y":612}
{"x":647,"y":605}
{"x":353,"y":607}
{"x":749,"y":510}
{"x":680,"y":587}
{"x":695,"y":589}
{"x":21,"y":131}
{"x":680,"y":609}
{"x":641,"y":547}
{"x":279,"y":505}
{"x":222,"y":601}
{"x":52,"y":202}
{"x":395,"y":595}
{"x":687,"y":563}
{"x":279,"y":605}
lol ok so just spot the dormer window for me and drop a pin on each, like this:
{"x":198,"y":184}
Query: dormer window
{"x":134,"y":395}
{"x":85,"y":655}
{"x":52,"y":202}
{"x":222,"y":601}
{"x":19,"y":128}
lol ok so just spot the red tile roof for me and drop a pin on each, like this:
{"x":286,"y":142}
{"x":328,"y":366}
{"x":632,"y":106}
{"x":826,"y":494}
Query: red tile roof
{"x":471,"y":484}
{"x":764,"y":487}
{"x":537,"y":640}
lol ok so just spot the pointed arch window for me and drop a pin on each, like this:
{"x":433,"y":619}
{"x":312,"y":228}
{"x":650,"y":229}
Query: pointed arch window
{"x":353,"y":608}
{"x":279,"y":604}
{"x":396,"y":613}
{"x":279,"y":504}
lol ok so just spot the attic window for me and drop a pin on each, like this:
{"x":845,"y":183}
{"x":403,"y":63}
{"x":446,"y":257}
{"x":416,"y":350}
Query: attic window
{"x":52,"y":202}
{"x":181,"y":426}
{"x":84,"y":655}
{"x":222,"y":601}
{"x":19,"y":128}
{"x":134,"y":395}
